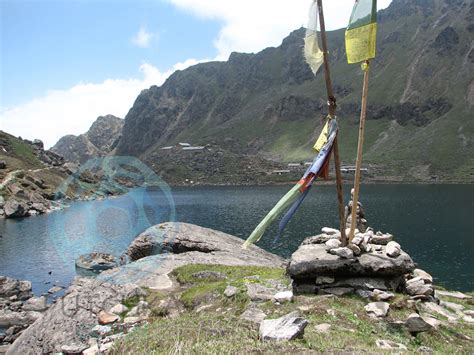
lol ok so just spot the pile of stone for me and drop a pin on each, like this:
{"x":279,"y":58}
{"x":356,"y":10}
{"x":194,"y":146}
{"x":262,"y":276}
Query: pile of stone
{"x":373,"y":261}
{"x":18,"y":309}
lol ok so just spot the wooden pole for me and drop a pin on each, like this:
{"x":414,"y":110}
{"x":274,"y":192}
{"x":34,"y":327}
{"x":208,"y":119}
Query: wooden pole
{"x":332,"y":112}
{"x":363,"y":111}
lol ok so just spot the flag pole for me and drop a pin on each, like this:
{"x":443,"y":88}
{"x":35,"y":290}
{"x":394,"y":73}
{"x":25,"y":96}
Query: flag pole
{"x":360,"y":144}
{"x":332,"y":113}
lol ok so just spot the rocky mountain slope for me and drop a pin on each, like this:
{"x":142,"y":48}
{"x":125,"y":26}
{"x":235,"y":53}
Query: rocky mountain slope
{"x":269,"y":103}
{"x":34,"y":180}
{"x":99,"y":140}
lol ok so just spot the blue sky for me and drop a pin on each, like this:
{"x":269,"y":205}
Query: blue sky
{"x":65,"y":62}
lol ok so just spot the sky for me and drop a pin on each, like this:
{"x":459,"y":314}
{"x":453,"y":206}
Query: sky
{"x":63,"y":63}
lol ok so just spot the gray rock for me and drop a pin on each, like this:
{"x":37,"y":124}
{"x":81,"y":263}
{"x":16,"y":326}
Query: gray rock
{"x":333,"y":243}
{"x":253,"y":314}
{"x":259,"y":292}
{"x":321,"y":280}
{"x":283,"y":296}
{"x":417,"y":286}
{"x":288,"y":327}
{"x":393,"y":249}
{"x":431,"y":307}
{"x":73,"y":348}
{"x":15,"y":209}
{"x":389,"y":345}
{"x":355,"y":249}
{"x":377,"y":309}
{"x":381,"y":239}
{"x":422,"y":274}
{"x":118,"y":309}
{"x":74,"y":315}
{"x":323,"y":328}
{"x":105,"y":318}
{"x":319,"y":239}
{"x":55,"y":289}
{"x":100,"y":330}
{"x":456,"y":307}
{"x":96,"y":262}
{"x":343,"y":252}
{"x":230,"y":291}
{"x":11,"y":287}
{"x":313,"y":260}
{"x":378,"y":295}
{"x":424,"y":350}
{"x":336,"y":291}
{"x":142,"y":309}
{"x":330,"y":231}
{"x":35,"y":304}
{"x":416,"y":324}
{"x":455,"y":294}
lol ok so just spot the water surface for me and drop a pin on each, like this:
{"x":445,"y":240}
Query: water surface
{"x":433,"y":223}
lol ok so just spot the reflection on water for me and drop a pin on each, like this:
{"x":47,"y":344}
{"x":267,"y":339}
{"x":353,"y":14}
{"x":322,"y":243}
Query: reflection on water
{"x":432,"y":223}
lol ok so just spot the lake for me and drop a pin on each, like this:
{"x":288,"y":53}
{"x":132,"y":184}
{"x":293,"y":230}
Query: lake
{"x":433,"y":223}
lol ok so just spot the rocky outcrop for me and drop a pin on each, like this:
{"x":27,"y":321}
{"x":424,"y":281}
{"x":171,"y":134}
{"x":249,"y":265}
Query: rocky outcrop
{"x":164,"y":247}
{"x":369,"y":263}
{"x":69,"y":321}
{"x":18,"y":308}
{"x":99,"y":140}
{"x":96,"y":262}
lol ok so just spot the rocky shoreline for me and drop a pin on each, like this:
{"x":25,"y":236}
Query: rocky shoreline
{"x":100,"y":313}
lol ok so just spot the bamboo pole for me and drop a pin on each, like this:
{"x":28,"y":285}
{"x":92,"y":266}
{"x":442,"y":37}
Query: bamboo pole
{"x":332,"y":112}
{"x":360,"y":144}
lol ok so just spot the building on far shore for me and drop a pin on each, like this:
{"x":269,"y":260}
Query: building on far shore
{"x":350,"y":169}
{"x":280,"y":172}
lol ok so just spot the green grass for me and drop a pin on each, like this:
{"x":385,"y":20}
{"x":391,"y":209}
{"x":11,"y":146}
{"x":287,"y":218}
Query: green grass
{"x":219,"y":330}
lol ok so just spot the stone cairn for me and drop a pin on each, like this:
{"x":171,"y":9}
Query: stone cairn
{"x":372,"y":265}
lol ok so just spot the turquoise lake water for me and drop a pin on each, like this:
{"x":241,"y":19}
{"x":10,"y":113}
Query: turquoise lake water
{"x":433,"y":223}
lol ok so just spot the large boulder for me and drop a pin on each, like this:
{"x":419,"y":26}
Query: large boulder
{"x":312,"y":260}
{"x":14,"y":209}
{"x":12,"y":287}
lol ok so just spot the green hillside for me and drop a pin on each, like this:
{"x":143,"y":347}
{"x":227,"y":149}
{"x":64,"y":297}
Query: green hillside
{"x":420,"y":98}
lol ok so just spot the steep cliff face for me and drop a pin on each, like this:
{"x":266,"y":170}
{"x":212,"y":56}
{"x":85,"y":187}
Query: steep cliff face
{"x":270,"y":104}
{"x":99,"y":140}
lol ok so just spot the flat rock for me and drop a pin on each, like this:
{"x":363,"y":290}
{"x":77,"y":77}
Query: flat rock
{"x":431,"y":307}
{"x":193,"y":245}
{"x":38,"y":304}
{"x":389,"y":345}
{"x":96,"y":262}
{"x":382,"y":239}
{"x":323,"y":280}
{"x":455,"y":294}
{"x":416,"y":324}
{"x":378,"y":295}
{"x":259,"y":292}
{"x":323,"y":328}
{"x":319,"y":239}
{"x":55,"y":289}
{"x":378,"y":309}
{"x":330,"y":231}
{"x":105,"y":318}
{"x":288,"y":327}
{"x":253,"y":314}
{"x":343,"y":252}
{"x":336,"y":291}
{"x":312,"y":260}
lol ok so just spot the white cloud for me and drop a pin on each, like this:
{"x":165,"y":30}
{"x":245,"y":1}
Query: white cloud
{"x":72,"y":111}
{"x":250,"y":25}
{"x":143,"y":38}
